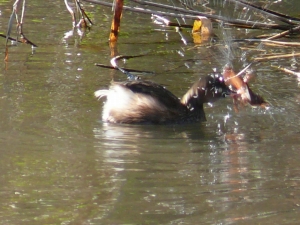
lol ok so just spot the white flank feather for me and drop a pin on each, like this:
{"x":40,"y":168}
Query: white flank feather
{"x":101,"y":93}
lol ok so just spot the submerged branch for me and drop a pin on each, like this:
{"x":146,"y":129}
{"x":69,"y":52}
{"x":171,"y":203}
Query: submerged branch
{"x":23,"y":40}
{"x":127,"y":72}
{"x":127,"y":69}
{"x":282,"y":17}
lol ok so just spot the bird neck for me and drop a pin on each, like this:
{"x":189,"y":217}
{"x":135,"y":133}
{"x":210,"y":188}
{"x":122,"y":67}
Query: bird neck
{"x":195,"y":97}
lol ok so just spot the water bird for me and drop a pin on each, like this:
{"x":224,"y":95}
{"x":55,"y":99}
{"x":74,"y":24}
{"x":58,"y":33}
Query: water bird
{"x":148,"y":102}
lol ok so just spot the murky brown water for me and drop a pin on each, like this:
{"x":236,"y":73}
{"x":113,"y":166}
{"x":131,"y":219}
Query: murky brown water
{"x":60,"y":165}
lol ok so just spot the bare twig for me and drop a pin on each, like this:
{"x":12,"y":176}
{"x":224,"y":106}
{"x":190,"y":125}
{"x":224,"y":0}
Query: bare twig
{"x":82,"y":22}
{"x":267,"y":58}
{"x":84,"y":16}
{"x":288,"y":71}
{"x":279,"y":43}
{"x":293,"y":30}
{"x":69,"y":8}
{"x":115,"y":25}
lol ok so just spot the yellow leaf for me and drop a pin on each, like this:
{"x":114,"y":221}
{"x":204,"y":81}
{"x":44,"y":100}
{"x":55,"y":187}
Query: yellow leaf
{"x":197,"y":26}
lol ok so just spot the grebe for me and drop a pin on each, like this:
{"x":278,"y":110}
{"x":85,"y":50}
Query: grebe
{"x":148,"y":102}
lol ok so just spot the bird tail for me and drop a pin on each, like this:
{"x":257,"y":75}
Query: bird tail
{"x":101,"y":93}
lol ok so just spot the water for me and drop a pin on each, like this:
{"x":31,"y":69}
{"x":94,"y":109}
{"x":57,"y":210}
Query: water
{"x":61,"y":165}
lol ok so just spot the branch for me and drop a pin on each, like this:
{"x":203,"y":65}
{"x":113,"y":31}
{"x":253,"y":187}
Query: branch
{"x":191,"y":14}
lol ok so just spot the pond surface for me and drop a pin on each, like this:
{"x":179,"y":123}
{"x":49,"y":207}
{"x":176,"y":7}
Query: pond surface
{"x":61,"y":165}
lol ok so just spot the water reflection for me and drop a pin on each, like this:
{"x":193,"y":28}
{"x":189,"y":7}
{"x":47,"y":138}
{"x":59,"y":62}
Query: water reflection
{"x":198,"y":173}
{"x":146,"y":154}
